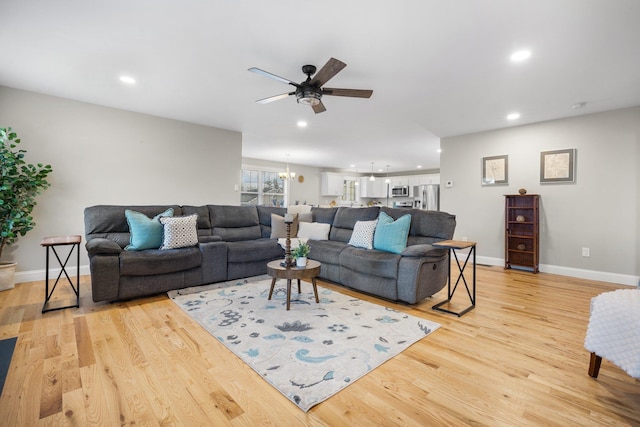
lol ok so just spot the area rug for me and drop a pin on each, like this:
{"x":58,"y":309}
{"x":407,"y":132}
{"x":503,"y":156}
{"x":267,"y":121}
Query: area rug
{"x":6,"y":352}
{"x":310,"y":352}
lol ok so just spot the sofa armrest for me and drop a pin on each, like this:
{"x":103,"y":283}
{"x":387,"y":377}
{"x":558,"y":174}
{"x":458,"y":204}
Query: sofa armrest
{"x":209,"y":239}
{"x":424,"y":250}
{"x":102,"y":246}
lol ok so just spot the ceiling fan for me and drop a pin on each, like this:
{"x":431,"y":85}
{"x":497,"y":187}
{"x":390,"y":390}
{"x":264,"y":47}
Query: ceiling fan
{"x":310,"y":91}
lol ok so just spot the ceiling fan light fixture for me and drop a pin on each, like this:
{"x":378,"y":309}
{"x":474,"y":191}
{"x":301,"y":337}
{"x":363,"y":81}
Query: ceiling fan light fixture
{"x":308,"y":96}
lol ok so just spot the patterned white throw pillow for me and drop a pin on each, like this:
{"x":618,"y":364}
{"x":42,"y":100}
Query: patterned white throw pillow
{"x":362,"y":236}
{"x":179,"y":231}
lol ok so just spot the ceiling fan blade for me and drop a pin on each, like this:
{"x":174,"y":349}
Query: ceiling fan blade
{"x":274,"y":98}
{"x":326,"y":73}
{"x":319,"y":108}
{"x":272,"y":76}
{"x":355,"y":93}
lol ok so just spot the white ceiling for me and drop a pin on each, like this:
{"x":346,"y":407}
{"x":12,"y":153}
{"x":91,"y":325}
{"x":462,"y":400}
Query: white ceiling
{"x":437,"y":68}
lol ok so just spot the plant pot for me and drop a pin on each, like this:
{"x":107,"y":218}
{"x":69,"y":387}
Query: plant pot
{"x":301,"y":262}
{"x":7,"y":275}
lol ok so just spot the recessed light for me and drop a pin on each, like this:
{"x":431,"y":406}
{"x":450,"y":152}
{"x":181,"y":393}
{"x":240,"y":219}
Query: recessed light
{"x":513,"y":116}
{"x":128,"y":80}
{"x":439,"y":150}
{"x":302,"y":124}
{"x":579,"y":105}
{"x":352,"y":166}
{"x":419,"y":166}
{"x":520,"y":55}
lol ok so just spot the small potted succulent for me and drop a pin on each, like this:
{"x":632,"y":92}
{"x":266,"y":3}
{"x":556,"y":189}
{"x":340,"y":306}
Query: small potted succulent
{"x":300,"y":253}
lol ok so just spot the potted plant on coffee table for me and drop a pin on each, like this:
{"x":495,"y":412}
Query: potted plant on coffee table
{"x":20,"y":183}
{"x":300,"y":253}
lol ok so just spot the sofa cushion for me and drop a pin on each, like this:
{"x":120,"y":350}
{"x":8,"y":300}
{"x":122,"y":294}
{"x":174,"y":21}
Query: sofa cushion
{"x":279,"y":227}
{"x":235,"y":223}
{"x":372,"y":263}
{"x":204,"y":222}
{"x":426,"y":226}
{"x":146,"y":233}
{"x":326,"y":251}
{"x":391,"y":236}
{"x":254,"y":250}
{"x":346,"y":219}
{"x":179,"y":232}
{"x":362,"y":236}
{"x":156,"y":261}
{"x":324,"y":215}
{"x":264,"y":218}
{"x":305,"y":217}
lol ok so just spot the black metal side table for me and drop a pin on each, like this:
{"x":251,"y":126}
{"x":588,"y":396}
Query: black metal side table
{"x":53,"y":242}
{"x":454,"y":245}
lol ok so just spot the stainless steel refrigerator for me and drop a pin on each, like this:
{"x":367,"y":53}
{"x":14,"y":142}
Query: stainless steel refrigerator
{"x":427,"y":197}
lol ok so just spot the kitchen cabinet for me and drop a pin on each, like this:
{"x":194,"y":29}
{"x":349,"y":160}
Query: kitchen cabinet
{"x":521,"y":237}
{"x":399,"y":181}
{"x":432,"y":178}
{"x":373,"y":189}
{"x":331,"y":184}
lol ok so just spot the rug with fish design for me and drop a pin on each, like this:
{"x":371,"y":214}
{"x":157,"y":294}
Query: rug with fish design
{"x":310,"y":352}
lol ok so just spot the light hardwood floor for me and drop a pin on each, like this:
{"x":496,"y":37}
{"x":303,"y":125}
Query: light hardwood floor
{"x":517,"y":359}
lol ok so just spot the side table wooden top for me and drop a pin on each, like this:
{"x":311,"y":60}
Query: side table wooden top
{"x":454,"y":244}
{"x":61,"y":240}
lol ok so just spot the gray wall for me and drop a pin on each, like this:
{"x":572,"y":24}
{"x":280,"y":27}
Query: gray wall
{"x":600,"y":210}
{"x":102,"y":155}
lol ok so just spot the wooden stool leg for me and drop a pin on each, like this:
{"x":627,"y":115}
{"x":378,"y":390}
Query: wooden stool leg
{"x":594,"y":365}
{"x":315,"y":289}
{"x":288,"y":294}
{"x":273,"y":284}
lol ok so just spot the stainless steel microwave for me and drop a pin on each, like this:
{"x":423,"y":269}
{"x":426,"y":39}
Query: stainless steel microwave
{"x":400,"y":191}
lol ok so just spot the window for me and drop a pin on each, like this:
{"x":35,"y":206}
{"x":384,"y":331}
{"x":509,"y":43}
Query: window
{"x":349,"y":191}
{"x":262,"y":188}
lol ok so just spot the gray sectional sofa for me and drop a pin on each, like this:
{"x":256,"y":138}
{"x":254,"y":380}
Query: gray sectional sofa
{"x":234,"y":242}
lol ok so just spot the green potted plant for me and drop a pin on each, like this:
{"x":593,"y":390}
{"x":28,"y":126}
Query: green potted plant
{"x":300,"y":253}
{"x":20,"y":183}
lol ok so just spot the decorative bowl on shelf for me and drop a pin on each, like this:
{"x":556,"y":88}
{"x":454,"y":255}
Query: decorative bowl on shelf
{"x":520,"y":218}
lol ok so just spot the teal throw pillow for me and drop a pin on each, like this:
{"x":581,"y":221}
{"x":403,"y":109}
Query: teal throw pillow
{"x":146,"y":233}
{"x":391,"y":236}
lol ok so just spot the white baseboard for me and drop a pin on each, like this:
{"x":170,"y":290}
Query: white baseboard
{"x":34,"y":275}
{"x":603,"y":276}
{"x":622,"y":279}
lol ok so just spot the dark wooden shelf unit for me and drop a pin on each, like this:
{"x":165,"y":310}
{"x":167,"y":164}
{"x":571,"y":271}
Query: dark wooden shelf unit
{"x":522,"y":232}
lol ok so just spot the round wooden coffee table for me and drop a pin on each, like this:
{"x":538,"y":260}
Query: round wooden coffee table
{"x":310,"y":271}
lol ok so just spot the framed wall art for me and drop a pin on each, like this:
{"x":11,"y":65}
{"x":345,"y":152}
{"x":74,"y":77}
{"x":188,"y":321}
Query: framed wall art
{"x":495,"y":170}
{"x":558,"y":166}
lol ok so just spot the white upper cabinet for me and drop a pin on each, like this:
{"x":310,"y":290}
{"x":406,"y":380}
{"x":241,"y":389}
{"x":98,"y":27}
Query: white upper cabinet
{"x":373,"y":189}
{"x":399,"y":181}
{"x":433,"y":178}
{"x":331,"y":184}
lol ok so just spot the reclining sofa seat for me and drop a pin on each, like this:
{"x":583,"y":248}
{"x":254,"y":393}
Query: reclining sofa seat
{"x":418,"y":272}
{"x":246,"y":231}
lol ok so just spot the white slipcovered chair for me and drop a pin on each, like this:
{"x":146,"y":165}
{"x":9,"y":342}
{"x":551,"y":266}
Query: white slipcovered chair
{"x":614,"y":331}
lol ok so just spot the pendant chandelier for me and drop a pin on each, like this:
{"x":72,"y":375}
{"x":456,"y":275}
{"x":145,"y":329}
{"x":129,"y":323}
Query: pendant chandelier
{"x":372,"y":178}
{"x":287,"y":175}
